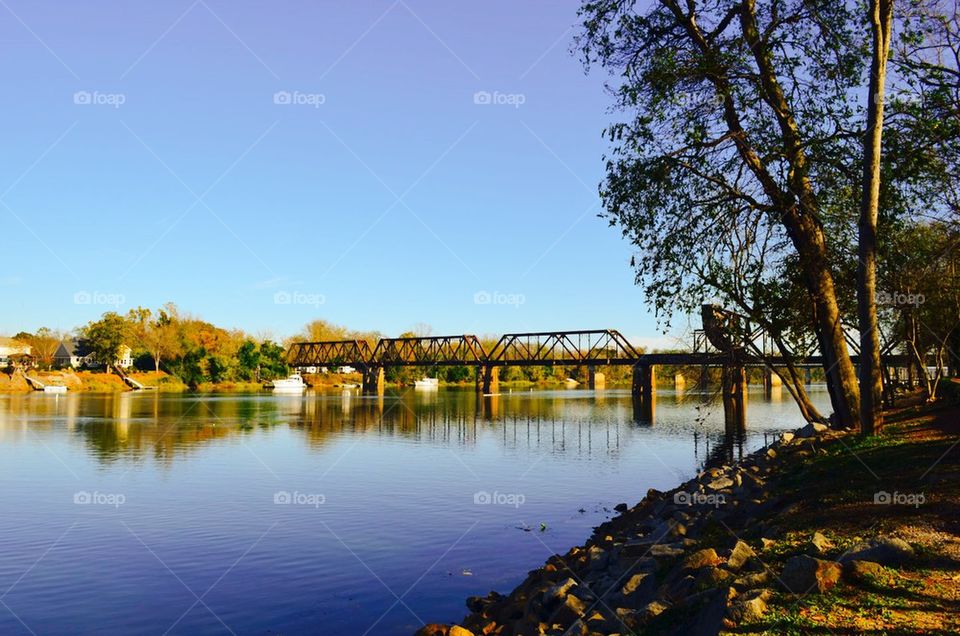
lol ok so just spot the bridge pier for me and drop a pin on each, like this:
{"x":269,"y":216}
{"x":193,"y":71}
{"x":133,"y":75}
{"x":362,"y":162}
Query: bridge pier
{"x":679,"y":382}
{"x":734,"y":395}
{"x":704,"y":378}
{"x":807,"y":376}
{"x":644,"y":392}
{"x":596,"y":379}
{"x":488,"y":379}
{"x":373,"y":380}
{"x":770,"y":380}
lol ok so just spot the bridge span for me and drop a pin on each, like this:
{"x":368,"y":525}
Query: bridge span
{"x":593,"y":349}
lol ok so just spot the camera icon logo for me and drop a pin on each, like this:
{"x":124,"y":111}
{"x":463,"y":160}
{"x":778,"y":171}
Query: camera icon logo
{"x":82,"y":298}
{"x":482,"y":97}
{"x":82,"y":97}
{"x":83,"y":498}
{"x":282,"y":497}
{"x":282,"y":97}
{"x":482,"y":298}
{"x":482,"y":498}
{"x":882,"y":497}
{"x":682,"y":499}
{"x":282,"y":298}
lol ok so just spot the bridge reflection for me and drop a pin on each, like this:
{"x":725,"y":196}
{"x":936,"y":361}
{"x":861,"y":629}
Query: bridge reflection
{"x":158,"y":427}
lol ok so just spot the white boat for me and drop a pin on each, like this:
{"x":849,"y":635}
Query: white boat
{"x":426,"y":383}
{"x":51,"y":388}
{"x":570,"y":383}
{"x":293,"y":382}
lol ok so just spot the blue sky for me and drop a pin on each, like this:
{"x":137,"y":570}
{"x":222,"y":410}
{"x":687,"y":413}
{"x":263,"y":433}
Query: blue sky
{"x":263,"y":164}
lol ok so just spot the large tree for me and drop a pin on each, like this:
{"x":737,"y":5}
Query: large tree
{"x":752,"y":138}
{"x":105,"y":337}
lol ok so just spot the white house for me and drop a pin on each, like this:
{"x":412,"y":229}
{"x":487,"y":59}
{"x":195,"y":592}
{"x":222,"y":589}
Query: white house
{"x":12,"y":347}
{"x":68,"y":355}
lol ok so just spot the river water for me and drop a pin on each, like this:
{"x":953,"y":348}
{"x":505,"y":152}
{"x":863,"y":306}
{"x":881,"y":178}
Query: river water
{"x":324,"y":513}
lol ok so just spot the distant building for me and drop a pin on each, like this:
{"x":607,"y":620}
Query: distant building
{"x":12,"y":348}
{"x":70,"y":354}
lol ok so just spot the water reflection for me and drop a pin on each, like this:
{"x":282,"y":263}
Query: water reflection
{"x":200,"y":473}
{"x":135,"y":425}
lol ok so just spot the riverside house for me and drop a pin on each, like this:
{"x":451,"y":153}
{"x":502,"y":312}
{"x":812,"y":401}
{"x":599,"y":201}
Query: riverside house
{"x":11,"y":348}
{"x":70,"y":354}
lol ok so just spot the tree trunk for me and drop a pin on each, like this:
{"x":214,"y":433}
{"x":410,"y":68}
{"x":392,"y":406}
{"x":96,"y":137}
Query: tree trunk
{"x":871,"y":380}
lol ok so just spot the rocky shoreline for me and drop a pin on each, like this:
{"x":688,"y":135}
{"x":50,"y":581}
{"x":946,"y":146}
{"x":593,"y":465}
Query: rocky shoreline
{"x":694,"y":560}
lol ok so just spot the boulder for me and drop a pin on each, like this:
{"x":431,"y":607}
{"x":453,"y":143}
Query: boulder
{"x":621,"y":507}
{"x":556,"y":593}
{"x":803,"y":574}
{"x":637,"y":583}
{"x":812,"y":430}
{"x":739,"y":556}
{"x":702,"y":558}
{"x":456,"y":630}
{"x":569,"y":610}
{"x":709,"y":577}
{"x":665,"y":551}
{"x":819,"y":544}
{"x":862,"y":571}
{"x":888,"y":551}
{"x":721,"y":483}
{"x":749,"y":607}
{"x":750,"y":581}
{"x":433,"y":629}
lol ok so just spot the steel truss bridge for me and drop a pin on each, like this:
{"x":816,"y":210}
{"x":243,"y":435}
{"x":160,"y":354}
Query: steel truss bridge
{"x":598,"y":347}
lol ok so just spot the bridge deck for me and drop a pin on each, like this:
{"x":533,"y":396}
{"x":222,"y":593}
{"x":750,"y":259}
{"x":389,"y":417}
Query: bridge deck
{"x":599,"y":347}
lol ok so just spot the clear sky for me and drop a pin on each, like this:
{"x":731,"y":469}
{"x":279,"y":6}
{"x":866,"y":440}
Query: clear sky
{"x":262,"y":164}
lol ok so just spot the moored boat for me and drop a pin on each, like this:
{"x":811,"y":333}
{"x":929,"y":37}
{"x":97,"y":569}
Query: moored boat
{"x":427,"y":383}
{"x":293,"y":382}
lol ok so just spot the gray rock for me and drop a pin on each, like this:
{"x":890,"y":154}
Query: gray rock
{"x":739,"y":556}
{"x":888,"y":551}
{"x":803,"y":574}
{"x":720,"y":483}
{"x":752,"y":580}
{"x":635,"y":583}
{"x":701,"y":558}
{"x":749,"y":607}
{"x":556,"y":593}
{"x":569,"y":610}
{"x":862,"y":571}
{"x":665,"y":551}
{"x":812,"y":430}
{"x":819,"y":544}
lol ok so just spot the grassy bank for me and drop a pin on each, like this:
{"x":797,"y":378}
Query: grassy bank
{"x":823,"y":532}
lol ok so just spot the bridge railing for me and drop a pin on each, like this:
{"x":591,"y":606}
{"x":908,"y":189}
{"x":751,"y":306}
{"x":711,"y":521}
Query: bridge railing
{"x":335,"y":353}
{"x":592,"y":347}
{"x":430,"y":351}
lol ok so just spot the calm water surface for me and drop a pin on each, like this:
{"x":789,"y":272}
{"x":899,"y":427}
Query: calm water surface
{"x":324,"y":513}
